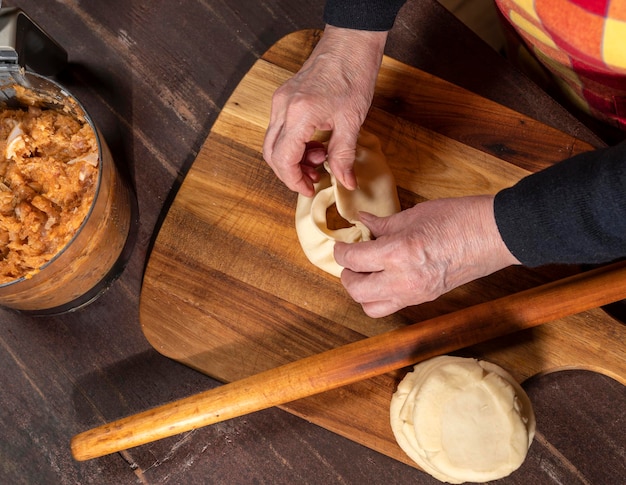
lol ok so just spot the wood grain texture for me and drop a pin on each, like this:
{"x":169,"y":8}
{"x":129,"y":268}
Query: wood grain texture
{"x":228,"y":291}
{"x":155,"y":75}
{"x":389,"y":352}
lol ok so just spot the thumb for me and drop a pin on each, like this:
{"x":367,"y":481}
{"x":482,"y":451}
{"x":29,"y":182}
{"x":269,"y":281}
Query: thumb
{"x":341,"y":155}
{"x":377,"y":225}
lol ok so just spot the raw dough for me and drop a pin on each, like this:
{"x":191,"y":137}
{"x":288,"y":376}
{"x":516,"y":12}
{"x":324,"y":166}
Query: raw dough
{"x":462,"y":420}
{"x":376,"y":194}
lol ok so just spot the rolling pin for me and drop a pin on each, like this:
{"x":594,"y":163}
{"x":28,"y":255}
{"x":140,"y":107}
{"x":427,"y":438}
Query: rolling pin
{"x":360,"y":360}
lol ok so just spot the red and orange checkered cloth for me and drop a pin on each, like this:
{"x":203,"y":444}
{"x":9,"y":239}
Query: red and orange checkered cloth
{"x":582,"y":43}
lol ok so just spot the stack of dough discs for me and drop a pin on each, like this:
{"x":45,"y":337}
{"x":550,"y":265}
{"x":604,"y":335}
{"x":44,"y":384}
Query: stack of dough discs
{"x":462,"y":420}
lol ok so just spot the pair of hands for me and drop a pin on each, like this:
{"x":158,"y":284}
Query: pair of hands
{"x":417,"y":254}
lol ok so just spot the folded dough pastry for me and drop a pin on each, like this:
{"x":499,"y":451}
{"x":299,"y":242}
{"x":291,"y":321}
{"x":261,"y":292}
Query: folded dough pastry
{"x":376,"y":194}
{"x":462,"y":420}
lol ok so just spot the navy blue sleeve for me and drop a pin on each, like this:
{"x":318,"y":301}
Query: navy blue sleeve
{"x":573,"y":212}
{"x":377,"y":15}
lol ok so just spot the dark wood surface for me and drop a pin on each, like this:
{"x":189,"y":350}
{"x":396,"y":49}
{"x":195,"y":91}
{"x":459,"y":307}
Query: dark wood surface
{"x":154,"y":76}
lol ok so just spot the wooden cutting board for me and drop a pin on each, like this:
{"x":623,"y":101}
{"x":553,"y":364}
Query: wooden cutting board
{"x":228,"y":291}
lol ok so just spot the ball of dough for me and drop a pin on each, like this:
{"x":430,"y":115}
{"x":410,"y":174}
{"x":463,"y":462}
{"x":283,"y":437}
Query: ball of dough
{"x":462,"y":420}
{"x":376,"y":193}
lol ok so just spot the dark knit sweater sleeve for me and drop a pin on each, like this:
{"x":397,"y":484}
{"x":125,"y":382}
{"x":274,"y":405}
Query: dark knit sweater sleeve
{"x":573,"y":212}
{"x":376,"y":15}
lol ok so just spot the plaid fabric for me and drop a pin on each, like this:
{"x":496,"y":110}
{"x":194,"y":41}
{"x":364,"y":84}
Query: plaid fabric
{"x":582,"y":43}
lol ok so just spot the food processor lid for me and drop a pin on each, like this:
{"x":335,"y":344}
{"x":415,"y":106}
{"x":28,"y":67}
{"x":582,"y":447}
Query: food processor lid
{"x":28,"y":58}
{"x":23,"y":44}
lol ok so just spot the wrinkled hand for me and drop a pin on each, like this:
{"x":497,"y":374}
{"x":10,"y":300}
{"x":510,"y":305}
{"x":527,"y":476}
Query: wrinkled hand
{"x":422,"y":253}
{"x":332,"y":91}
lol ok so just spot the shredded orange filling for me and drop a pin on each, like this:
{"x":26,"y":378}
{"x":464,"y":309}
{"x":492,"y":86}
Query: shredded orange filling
{"x":48,"y":176}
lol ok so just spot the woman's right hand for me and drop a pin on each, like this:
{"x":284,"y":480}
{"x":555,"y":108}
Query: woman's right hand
{"x":332,"y":91}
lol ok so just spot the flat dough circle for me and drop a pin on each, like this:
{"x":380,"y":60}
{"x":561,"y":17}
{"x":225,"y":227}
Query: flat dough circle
{"x":461,"y":419}
{"x":376,"y":193}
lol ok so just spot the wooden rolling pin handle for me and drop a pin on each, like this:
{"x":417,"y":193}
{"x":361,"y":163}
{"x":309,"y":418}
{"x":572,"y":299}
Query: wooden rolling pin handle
{"x":360,"y":360}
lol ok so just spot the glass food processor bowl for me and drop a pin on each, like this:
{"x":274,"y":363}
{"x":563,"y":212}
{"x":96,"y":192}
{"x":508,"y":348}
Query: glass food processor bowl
{"x":95,"y":255}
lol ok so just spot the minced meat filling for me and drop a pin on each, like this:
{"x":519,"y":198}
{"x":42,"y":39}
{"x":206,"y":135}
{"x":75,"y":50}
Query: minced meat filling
{"x":48,"y":175}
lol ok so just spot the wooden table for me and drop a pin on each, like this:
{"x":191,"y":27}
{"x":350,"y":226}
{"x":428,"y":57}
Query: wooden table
{"x":154,"y":76}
